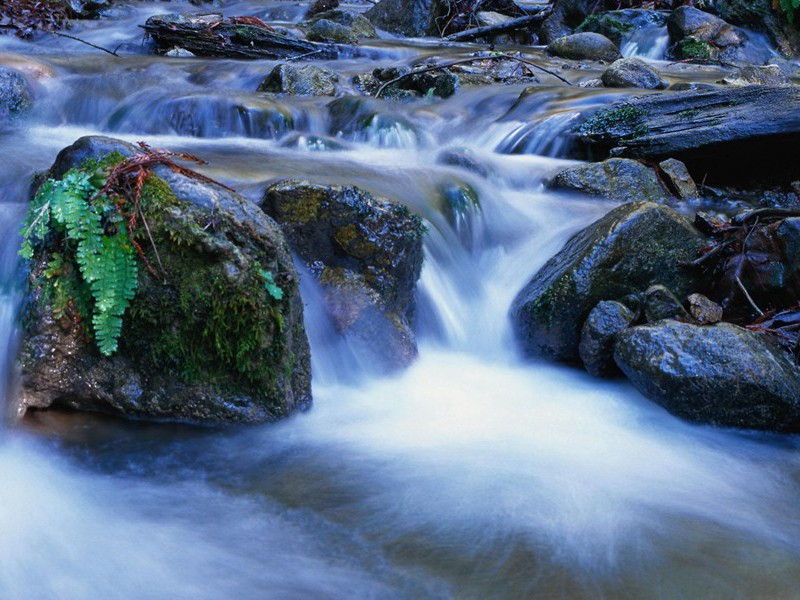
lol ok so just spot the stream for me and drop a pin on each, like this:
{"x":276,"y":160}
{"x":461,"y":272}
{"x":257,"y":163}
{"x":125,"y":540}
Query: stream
{"x":473,"y":474}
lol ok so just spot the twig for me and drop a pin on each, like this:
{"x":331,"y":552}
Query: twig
{"x":152,"y":241}
{"x":465,"y":61}
{"x":749,"y":299}
{"x":77,"y":39}
{"x":303,"y":55}
{"x":517,"y":23}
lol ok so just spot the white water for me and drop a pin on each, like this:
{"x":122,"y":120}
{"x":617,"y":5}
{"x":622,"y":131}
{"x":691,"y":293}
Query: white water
{"x":471,"y":475}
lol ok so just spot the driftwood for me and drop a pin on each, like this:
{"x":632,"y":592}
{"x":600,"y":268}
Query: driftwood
{"x":236,"y":37}
{"x":518,"y":23}
{"x":731,"y":134}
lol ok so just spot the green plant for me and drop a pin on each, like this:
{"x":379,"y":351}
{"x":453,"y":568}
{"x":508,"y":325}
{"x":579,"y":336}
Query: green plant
{"x":81,"y":224}
{"x":789,"y":8}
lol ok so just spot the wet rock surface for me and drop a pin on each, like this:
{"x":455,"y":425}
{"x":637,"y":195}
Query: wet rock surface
{"x":632,"y":72}
{"x":596,"y":348}
{"x":15,"y":94}
{"x":616,"y":179}
{"x":634,"y":246}
{"x":584,"y":46}
{"x":721,"y":375}
{"x":208,"y":343}
{"x":309,"y":80}
{"x":367,"y":254}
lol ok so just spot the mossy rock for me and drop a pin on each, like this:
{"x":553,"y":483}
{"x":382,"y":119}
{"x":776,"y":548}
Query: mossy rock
{"x":634,"y":246}
{"x":367,"y":254}
{"x":206,"y":338}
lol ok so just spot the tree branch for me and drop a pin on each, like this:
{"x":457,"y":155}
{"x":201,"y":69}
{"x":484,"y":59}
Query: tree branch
{"x":77,"y":39}
{"x":517,"y":23}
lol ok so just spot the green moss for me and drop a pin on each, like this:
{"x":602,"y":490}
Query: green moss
{"x":599,"y":22}
{"x":625,"y":117}
{"x":688,"y":114}
{"x":694,"y":49}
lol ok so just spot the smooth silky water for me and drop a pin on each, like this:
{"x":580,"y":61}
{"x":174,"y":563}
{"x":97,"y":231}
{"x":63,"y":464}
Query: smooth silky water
{"x":473,"y":474}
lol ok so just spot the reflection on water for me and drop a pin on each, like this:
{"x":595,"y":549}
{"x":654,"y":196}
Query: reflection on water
{"x":471,"y":475}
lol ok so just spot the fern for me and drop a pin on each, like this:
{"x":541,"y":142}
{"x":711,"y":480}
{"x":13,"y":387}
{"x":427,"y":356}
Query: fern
{"x":77,"y":216}
{"x":273,"y":289}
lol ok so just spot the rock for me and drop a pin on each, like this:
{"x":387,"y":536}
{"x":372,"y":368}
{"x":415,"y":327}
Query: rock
{"x":565,"y":17}
{"x":178,"y":53}
{"x":596,"y":347}
{"x":321,"y":6}
{"x":713,"y":132}
{"x":357,"y":23}
{"x":402,"y":17}
{"x":632,"y":72}
{"x":324,"y":30}
{"x":616,"y":25}
{"x":631,"y":248}
{"x":615,"y":179}
{"x":679,"y":178}
{"x":88,"y":9}
{"x":699,"y":35}
{"x":703,"y":310}
{"x":660,"y":303}
{"x":366,"y":252}
{"x":771,"y":75}
{"x":15,"y":94}
{"x":721,"y":375}
{"x":788,"y":232}
{"x":464,"y":158}
{"x":760,"y":15}
{"x":208,"y":342}
{"x":312,"y":143}
{"x":300,"y":81}
{"x":584,"y":46}
{"x":442,"y":84}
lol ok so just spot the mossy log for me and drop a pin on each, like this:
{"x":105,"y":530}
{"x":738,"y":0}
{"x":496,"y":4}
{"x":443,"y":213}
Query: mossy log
{"x":726,"y":134}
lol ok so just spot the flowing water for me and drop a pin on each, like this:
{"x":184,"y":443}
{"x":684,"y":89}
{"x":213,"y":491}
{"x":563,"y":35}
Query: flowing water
{"x":473,"y":474}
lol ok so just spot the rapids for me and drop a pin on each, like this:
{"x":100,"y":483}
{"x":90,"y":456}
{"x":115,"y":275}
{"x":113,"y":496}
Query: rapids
{"x":473,"y":474}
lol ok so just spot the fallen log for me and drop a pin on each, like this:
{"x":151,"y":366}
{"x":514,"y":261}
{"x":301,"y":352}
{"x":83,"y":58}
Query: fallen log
{"x":731,"y":135}
{"x":518,"y":23}
{"x":234,"y":37}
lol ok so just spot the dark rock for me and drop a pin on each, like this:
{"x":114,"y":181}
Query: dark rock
{"x":15,"y":94}
{"x":615,"y":179}
{"x":584,"y":46}
{"x":321,"y":6}
{"x":366,"y":252}
{"x":771,"y":75}
{"x":596,"y":347}
{"x":703,"y":310}
{"x":411,"y":18}
{"x":660,"y":303}
{"x":442,"y":84}
{"x":565,"y":17}
{"x":760,"y":15}
{"x":300,"y":81}
{"x":206,"y":343}
{"x":632,"y":72}
{"x":360,"y":118}
{"x":633,"y":247}
{"x":679,"y":178}
{"x":88,"y":9}
{"x":357,"y":23}
{"x":312,"y":143}
{"x":788,"y":232}
{"x":324,"y":30}
{"x":464,"y":158}
{"x":721,"y":375}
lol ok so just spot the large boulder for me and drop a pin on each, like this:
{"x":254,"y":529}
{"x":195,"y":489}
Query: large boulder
{"x":584,"y":46}
{"x":214,"y":332}
{"x":565,"y":17}
{"x":366,"y":253}
{"x":634,"y":246}
{"x":633,"y":73}
{"x":15,"y":94}
{"x":721,"y":375}
{"x":615,"y":179}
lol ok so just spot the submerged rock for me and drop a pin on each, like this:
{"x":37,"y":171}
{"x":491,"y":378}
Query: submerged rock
{"x":15,"y":94}
{"x":596,"y":347}
{"x":300,"y":81}
{"x":207,"y":342}
{"x":634,"y":246}
{"x":632,"y":72}
{"x":584,"y":46}
{"x":616,"y":25}
{"x":359,"y":118}
{"x":615,"y":179}
{"x":720,"y":375}
{"x":366,"y":253}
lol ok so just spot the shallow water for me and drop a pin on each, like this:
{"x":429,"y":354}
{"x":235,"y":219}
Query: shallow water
{"x":473,"y":474}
